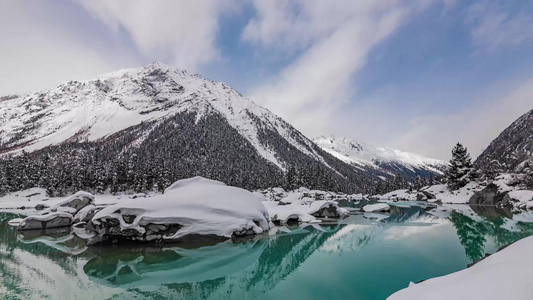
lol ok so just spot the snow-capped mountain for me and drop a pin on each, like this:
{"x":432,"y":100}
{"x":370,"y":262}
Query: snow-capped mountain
{"x":161,"y":116}
{"x":512,"y":150}
{"x":380,"y":160}
{"x":113,"y":102}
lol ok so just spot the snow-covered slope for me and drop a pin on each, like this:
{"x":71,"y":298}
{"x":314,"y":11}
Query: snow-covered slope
{"x":158,"y":119}
{"x":512,"y":150}
{"x":374,"y":158}
{"x":97,"y":108}
{"x":503,"y":275}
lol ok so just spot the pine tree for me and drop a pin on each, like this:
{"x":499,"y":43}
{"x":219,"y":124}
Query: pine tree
{"x":417,"y":185}
{"x":461,"y":170}
{"x":431,"y":180}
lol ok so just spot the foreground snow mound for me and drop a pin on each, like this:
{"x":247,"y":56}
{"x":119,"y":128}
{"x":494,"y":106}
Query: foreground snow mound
{"x":192,"y":207}
{"x":376,"y":207}
{"x":503,"y":275}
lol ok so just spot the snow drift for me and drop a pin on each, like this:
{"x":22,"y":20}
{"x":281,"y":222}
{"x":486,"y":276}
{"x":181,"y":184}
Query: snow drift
{"x":503,"y":275}
{"x":195,"y":206}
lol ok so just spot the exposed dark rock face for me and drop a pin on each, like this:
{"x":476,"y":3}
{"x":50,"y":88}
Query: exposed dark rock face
{"x":512,"y":150}
{"x":327,"y":212}
{"x":488,"y":196}
{"x":428,"y":195}
{"x":109,"y":231}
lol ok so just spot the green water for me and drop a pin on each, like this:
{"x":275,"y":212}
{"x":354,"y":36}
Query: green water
{"x":358,"y":258}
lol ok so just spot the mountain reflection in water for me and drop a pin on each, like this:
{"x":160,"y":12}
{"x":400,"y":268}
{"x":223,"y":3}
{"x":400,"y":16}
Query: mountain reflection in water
{"x":59,"y":264}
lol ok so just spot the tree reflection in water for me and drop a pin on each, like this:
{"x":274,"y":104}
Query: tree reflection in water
{"x":59,"y":263}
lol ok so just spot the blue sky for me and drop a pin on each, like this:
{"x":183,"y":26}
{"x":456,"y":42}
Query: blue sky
{"x":418,"y":75}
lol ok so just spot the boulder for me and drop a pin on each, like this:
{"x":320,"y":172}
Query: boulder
{"x":428,"y":195}
{"x":86,"y":213}
{"x":52,"y":220}
{"x":421,"y":197}
{"x":72,"y":204}
{"x":489,"y":196}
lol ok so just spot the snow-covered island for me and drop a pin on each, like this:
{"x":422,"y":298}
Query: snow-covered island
{"x":190,"y":209}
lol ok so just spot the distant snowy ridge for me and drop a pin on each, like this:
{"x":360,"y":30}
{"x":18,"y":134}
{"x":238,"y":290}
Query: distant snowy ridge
{"x":390,"y":161}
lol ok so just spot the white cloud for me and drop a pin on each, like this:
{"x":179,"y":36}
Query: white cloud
{"x":494,"y":27}
{"x":333,"y":40}
{"x":183,"y":32}
{"x":38,"y":51}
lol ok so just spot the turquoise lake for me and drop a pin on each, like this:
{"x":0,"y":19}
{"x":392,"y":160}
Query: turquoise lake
{"x":357,"y":258}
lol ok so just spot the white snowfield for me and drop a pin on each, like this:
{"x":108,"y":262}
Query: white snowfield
{"x":503,"y":275}
{"x":365,"y":155}
{"x":199,"y":205}
{"x":97,"y":108}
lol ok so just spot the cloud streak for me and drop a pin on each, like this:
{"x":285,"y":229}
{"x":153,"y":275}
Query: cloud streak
{"x":39,"y":50}
{"x":183,"y":32}
{"x":494,"y":27}
{"x":332,"y":40}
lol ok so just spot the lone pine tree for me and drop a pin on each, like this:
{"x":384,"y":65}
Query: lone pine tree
{"x":461,"y":169}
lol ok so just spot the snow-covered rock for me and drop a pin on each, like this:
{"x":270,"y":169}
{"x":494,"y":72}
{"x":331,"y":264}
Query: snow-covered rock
{"x":503,"y":275}
{"x":72,"y":204}
{"x":51,"y":220}
{"x":292,"y":197}
{"x":306,"y":212}
{"x":378,"y":207}
{"x":85,"y":214}
{"x":192,"y":207}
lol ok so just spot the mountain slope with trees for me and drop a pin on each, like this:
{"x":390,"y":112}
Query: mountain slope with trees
{"x":381,"y":161}
{"x":142,"y":129}
{"x":512,"y":150}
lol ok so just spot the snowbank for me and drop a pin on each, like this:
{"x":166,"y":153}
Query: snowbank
{"x":503,"y":275}
{"x":196,"y":206}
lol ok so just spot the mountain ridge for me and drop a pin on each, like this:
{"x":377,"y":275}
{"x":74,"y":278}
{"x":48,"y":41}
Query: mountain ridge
{"x":385,"y":161}
{"x":114,"y":128}
{"x":512,"y":150}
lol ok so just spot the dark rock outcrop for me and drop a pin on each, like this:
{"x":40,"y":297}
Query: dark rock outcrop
{"x":489,"y":196}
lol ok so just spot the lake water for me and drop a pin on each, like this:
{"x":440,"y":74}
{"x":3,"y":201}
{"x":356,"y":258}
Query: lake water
{"x":358,"y":258}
